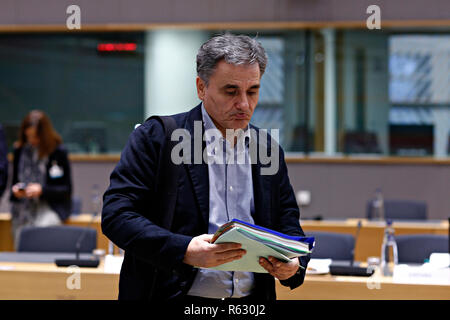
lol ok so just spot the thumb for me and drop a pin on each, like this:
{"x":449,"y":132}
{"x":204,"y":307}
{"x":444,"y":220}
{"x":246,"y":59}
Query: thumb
{"x":206,"y":237}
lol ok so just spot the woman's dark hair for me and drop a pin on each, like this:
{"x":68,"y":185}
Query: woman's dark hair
{"x":49,"y":138}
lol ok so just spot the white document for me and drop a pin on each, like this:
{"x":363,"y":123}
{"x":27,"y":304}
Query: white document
{"x":424,"y":274}
{"x":318,"y":266}
{"x":440,"y":260}
{"x":250,"y":261}
{"x":6,"y":268}
{"x":113,"y":264}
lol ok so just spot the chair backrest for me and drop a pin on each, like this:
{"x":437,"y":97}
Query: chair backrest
{"x":56,"y":239}
{"x":330,"y":245}
{"x":400,"y":210}
{"x":415,"y":248}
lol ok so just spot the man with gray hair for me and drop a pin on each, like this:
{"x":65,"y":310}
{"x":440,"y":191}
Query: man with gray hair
{"x":174,"y":261}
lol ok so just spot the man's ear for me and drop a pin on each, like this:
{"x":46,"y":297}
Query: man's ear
{"x":201,"y":87}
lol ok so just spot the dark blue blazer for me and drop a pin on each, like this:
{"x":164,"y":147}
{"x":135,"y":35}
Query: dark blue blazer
{"x":153,"y":266}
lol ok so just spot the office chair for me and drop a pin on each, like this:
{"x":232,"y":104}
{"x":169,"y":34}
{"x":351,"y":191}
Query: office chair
{"x":56,"y":239}
{"x":415,"y":248}
{"x":400,"y":210}
{"x":330,"y":245}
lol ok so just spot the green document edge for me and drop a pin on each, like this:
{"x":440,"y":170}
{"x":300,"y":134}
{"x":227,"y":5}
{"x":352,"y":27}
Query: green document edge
{"x":250,"y":261}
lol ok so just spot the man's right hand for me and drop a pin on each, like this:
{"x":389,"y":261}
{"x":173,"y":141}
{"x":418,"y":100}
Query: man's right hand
{"x":201,"y":253}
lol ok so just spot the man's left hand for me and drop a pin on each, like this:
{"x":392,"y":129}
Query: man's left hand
{"x":279,"y":269}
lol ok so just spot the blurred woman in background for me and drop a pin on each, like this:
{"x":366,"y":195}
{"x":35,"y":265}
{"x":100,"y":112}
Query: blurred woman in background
{"x":41,"y":183}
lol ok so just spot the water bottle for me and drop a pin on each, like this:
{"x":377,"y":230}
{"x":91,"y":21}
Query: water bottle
{"x":378,"y":206}
{"x":110,"y":247}
{"x":389,"y":254}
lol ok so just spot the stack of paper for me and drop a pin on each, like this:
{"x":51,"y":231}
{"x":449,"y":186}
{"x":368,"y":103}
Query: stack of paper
{"x":259,"y":242}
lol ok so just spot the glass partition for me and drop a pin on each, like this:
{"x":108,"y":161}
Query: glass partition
{"x":94,"y":96}
{"x":391,"y":87}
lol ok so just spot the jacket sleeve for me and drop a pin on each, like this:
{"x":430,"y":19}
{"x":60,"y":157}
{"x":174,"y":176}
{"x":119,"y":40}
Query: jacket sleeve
{"x":3,"y":162}
{"x":289,"y":220}
{"x":128,"y":215}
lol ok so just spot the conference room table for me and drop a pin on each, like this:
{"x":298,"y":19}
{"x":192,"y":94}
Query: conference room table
{"x":368,"y":244}
{"x":370,"y":238}
{"x":26,"y":276}
{"x":24,"y":279}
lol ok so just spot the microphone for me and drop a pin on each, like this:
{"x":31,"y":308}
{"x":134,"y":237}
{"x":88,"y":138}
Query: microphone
{"x":89,"y":263}
{"x":92,"y":262}
{"x":356,"y":239}
{"x":339,"y":269}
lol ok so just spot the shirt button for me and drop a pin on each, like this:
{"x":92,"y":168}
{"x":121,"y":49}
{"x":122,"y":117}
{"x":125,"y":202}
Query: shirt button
{"x":237,"y":280}
{"x":231,"y":188}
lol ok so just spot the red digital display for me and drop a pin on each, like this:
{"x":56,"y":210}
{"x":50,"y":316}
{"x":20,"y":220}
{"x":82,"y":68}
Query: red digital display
{"x":112,"y":47}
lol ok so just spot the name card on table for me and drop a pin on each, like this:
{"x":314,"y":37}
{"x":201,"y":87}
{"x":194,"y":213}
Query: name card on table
{"x":424,"y":274}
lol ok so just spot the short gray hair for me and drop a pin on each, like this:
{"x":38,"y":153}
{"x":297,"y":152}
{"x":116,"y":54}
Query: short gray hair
{"x":234,"y":49}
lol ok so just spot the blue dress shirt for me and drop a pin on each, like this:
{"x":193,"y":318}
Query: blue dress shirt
{"x":230,"y":196}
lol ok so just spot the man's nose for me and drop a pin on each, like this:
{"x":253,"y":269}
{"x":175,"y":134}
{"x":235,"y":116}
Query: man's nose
{"x":243,"y":103}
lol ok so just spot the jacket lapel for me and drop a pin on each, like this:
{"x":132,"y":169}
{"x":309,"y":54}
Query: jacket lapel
{"x":261,"y":189}
{"x":198,"y":172}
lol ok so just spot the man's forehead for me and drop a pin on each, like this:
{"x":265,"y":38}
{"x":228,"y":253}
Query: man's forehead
{"x":249,"y":70}
{"x":239,"y":84}
{"x":239,"y":77}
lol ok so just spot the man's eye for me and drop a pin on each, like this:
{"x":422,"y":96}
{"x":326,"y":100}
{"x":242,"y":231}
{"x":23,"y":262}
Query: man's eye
{"x":231,"y":93}
{"x":252,"y":93}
